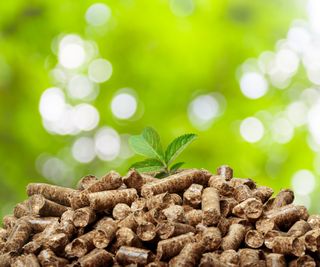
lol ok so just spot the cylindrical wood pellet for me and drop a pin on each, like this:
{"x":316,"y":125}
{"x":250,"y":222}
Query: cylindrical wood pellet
{"x":311,"y":240}
{"x":105,"y":232}
{"x":18,"y":236}
{"x":189,"y":256}
{"x":250,"y":208}
{"x":131,"y":255}
{"x":193,"y":217}
{"x":234,"y":237}
{"x":286,"y":216}
{"x":174,"y":213}
{"x":314,"y":221}
{"x":112,"y":180}
{"x":223,"y":225}
{"x":192,"y":196}
{"x":83,"y":217}
{"x":158,"y":201}
{"x":283,"y":198}
{"x":211,"y":238}
{"x":264,"y":225}
{"x":171,"y":229}
{"x":263,"y":193}
{"x":249,"y":257}
{"x":139,"y":204}
{"x":242,"y":192}
{"x":288,"y":245}
{"x":299,"y":228}
{"x":270,"y":236}
{"x":175,"y":183}
{"x":48,"y":258}
{"x":219,"y":183}
{"x":55,"y":193}
{"x":79,"y":200}
{"x":22,"y":209}
{"x":29,"y":260}
{"x":211,"y":260}
{"x":171,"y":247}
{"x":254,"y":239}
{"x":129,"y":222}
{"x":121,"y":211}
{"x":9,"y":221}
{"x":38,"y":224}
{"x":96,"y":258}
{"x":44,"y":207}
{"x":134,"y":180}
{"x":303,"y":261}
{"x":81,"y":245}
{"x":86,"y":181}
{"x":226,"y":206}
{"x":126,"y":237}
{"x":230,"y":257}
{"x":146,"y":231}
{"x":210,"y":206}
{"x":106,"y":200}
{"x":235,"y":182}
{"x":226,"y":172}
{"x":275,"y":260}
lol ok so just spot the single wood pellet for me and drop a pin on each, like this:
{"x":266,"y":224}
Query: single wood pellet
{"x":191,"y":218}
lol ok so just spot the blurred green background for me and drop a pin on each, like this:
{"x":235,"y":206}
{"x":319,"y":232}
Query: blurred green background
{"x":77,"y":78}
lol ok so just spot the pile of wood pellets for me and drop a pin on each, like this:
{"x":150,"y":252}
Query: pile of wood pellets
{"x":191,"y":218}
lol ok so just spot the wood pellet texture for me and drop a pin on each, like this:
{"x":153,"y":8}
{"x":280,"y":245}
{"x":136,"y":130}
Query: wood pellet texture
{"x":191,"y":218}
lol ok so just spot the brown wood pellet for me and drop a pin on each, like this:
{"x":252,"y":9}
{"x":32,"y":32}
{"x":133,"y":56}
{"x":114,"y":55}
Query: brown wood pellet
{"x":191,"y":218}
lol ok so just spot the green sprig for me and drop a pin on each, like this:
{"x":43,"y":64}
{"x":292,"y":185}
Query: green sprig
{"x":148,"y":144}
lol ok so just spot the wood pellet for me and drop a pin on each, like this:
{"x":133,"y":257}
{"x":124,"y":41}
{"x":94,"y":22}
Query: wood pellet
{"x":190,"y":218}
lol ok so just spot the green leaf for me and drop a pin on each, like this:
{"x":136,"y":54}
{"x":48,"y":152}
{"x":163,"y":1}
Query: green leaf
{"x":176,"y":166}
{"x":147,"y":144}
{"x":153,"y":139}
{"x":177,"y":146}
{"x":148,"y":165}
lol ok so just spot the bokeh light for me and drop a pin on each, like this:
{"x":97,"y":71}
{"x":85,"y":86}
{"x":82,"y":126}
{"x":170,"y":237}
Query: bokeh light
{"x":282,"y":130}
{"x":298,"y":38}
{"x":59,"y":75}
{"x":86,"y":117}
{"x":107,"y":144}
{"x":83,"y":150}
{"x":125,"y":150}
{"x":253,"y":85}
{"x":297,"y":113}
{"x":287,"y":61}
{"x":55,"y":170}
{"x":303,"y":182}
{"x":100,"y":70}
{"x":71,"y":52}
{"x":251,"y":129}
{"x":98,"y":14}
{"x":205,"y":108}
{"x":303,"y":200}
{"x":313,"y":9}
{"x":52,"y":104}
{"x":80,"y":87}
{"x":123,"y":105}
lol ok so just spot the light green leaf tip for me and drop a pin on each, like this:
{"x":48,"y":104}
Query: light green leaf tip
{"x":147,"y":144}
{"x":177,"y":146}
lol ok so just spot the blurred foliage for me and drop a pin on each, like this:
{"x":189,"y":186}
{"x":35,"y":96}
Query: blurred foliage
{"x":167,"y":59}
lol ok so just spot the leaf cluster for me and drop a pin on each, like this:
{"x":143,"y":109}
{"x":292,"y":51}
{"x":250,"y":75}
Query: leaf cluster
{"x":148,"y":144}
